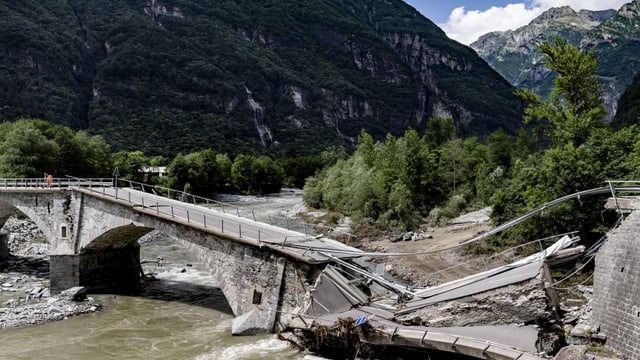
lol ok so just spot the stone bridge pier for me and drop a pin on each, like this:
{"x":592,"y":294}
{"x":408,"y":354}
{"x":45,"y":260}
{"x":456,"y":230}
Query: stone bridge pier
{"x":98,"y":250}
{"x":94,"y":243}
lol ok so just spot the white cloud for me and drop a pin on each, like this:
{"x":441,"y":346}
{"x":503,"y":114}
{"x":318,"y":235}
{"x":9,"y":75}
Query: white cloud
{"x":582,"y":4}
{"x":466,"y":26}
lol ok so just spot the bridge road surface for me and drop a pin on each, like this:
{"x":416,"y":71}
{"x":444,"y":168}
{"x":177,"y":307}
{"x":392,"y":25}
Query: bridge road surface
{"x":233,"y":225}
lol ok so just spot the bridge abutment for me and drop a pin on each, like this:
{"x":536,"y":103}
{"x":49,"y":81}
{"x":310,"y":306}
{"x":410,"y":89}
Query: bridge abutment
{"x":114,"y":270}
{"x":111,"y":269}
{"x":64,"y":272}
{"x":616,"y":299}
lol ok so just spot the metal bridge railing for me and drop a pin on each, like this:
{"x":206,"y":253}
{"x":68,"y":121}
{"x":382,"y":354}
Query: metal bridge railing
{"x":191,"y":208}
{"x":43,"y":183}
{"x":285,"y":222}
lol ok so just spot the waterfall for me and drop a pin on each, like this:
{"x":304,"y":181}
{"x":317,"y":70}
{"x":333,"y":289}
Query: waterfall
{"x":265,"y":133}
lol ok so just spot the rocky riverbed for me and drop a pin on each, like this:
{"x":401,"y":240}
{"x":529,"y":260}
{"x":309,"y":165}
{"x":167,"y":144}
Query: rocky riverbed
{"x":24,"y":281}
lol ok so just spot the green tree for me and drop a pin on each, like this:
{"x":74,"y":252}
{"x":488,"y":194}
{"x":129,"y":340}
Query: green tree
{"x":500,"y":147}
{"x":95,"y":154}
{"x":178,"y":173}
{"x":439,"y":131}
{"x":267,"y":176}
{"x":25,"y":151}
{"x":575,"y":107}
{"x":131,"y":164}
{"x":241,"y":173}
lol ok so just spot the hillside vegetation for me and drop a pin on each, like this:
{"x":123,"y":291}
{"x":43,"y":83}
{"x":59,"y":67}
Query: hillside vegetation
{"x":402,"y":181}
{"x":241,"y":76}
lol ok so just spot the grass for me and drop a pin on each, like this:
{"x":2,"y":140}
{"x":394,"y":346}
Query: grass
{"x":601,"y":350}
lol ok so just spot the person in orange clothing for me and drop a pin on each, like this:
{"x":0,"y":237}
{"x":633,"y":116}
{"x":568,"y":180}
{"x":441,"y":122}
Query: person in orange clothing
{"x":49,"y":180}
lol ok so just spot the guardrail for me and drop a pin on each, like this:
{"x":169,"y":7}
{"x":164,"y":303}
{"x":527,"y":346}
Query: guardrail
{"x":285,"y":222}
{"x":197,"y":211}
{"x":174,"y":208}
{"x":504,"y":257}
{"x":202,"y":211}
{"x":55,"y":183}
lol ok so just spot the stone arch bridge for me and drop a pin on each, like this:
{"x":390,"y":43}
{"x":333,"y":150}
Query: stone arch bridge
{"x":93,"y":229}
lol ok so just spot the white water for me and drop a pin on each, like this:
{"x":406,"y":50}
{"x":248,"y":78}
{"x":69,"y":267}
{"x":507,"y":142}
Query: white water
{"x":258,"y":119}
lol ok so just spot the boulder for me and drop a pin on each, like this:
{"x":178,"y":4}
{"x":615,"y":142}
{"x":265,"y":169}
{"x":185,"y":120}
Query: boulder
{"x":77,"y":293}
{"x":571,"y":352}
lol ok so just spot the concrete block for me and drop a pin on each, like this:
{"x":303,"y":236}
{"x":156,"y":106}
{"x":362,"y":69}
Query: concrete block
{"x":76,"y":293}
{"x":250,"y":323}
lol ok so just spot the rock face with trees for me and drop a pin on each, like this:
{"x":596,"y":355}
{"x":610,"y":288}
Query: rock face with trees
{"x":611,"y":34}
{"x":241,"y":77}
{"x":571,"y":149}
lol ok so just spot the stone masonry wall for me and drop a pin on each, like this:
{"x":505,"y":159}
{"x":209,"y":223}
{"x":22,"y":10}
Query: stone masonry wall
{"x":258,"y":283}
{"x":616,"y":290}
{"x":262,"y":286}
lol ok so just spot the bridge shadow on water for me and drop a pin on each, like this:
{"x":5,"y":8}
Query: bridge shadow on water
{"x":34,"y":270}
{"x":207,"y":296}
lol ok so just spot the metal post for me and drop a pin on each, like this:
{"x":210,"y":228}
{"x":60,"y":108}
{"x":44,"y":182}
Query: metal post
{"x":188,"y":216}
{"x":204,"y":220}
{"x":116,"y":173}
{"x":157,"y":208}
{"x":222,"y":225}
{"x":613,"y":194}
{"x":240,"y":231}
{"x":238,"y":211}
{"x":172,"y":215}
{"x":258,"y":236}
{"x":254,"y":215}
{"x":284,"y":241}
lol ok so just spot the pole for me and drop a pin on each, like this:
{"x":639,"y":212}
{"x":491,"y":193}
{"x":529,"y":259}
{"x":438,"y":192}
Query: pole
{"x":116,"y":173}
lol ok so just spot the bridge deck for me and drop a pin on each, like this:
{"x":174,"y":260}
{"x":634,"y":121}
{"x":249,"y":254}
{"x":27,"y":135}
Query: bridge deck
{"x":490,"y":342}
{"x":305,"y":247}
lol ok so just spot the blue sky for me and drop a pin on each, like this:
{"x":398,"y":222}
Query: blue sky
{"x":466,"y":20}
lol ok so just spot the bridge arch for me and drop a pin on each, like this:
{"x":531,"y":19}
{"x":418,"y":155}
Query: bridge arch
{"x":91,"y":245}
{"x":31,"y":207}
{"x":93,"y":232}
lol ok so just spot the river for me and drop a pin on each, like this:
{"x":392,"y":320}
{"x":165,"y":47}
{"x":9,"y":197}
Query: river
{"x":181,"y":315}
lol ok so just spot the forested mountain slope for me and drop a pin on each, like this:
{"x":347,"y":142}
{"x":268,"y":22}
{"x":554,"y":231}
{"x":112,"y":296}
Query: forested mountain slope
{"x":241,"y":76}
{"x":629,"y":106}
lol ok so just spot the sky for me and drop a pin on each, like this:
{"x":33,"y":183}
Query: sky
{"x":466,"y":20}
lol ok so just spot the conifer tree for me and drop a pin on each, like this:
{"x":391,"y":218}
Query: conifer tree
{"x":575,"y":107}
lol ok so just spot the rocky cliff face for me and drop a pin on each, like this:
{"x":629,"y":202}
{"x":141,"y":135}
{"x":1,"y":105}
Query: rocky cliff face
{"x":168,"y":76}
{"x":613,"y":35}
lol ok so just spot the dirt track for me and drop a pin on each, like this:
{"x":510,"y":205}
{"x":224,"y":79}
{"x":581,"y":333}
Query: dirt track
{"x":415,"y":270}
{"x":427,"y":269}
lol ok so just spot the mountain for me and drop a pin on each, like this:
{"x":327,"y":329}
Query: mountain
{"x":241,"y":76}
{"x":614,"y":36}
